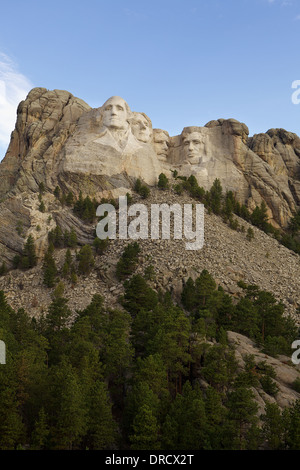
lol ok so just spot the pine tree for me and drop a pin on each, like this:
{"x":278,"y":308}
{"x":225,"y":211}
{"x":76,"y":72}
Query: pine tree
{"x":86,"y":259}
{"x":215,"y":194}
{"x":101,"y":425}
{"x":42,"y":207}
{"x":145,"y":430}
{"x":57,"y":192}
{"x":100,"y":245}
{"x":128,"y":261}
{"x":68,"y":413}
{"x":29,"y":258}
{"x":3,"y":269}
{"x":70,"y":199}
{"x":242,"y":411}
{"x":163,"y":182}
{"x":49,"y":267}
{"x":67,"y":264}
{"x":41,"y":432}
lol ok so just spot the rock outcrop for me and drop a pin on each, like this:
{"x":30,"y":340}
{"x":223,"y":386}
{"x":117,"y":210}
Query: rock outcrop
{"x":286,"y":372}
{"x":60,"y":141}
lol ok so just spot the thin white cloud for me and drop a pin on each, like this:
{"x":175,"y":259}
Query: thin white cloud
{"x":14,"y":87}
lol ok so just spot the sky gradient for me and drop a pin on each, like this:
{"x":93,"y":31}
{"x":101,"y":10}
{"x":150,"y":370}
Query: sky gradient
{"x":182,"y":62}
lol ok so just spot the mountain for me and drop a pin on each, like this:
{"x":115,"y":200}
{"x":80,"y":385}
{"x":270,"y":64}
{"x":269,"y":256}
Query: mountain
{"x":183,"y":339}
{"x":59,"y":141}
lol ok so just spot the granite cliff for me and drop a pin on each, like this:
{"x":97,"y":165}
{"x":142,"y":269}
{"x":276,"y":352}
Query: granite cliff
{"x":61,"y":141}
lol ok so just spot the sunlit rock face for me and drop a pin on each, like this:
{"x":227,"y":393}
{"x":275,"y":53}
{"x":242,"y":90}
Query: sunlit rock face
{"x":113,"y":142}
{"x":59,"y":140}
{"x":161,"y":142}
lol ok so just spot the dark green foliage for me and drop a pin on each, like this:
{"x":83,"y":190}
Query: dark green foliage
{"x":144,"y":191}
{"x":138,"y":296}
{"x":294,"y":224}
{"x":49,"y":267}
{"x":196,"y":294}
{"x":250,"y":234}
{"x":72,"y":239}
{"x":57,"y":192}
{"x":129,"y":199}
{"x":56,"y":237}
{"x":163,"y":182}
{"x":60,"y":239}
{"x":86,"y":259}
{"x":233,"y":223}
{"x":3,"y":269}
{"x":41,"y":188}
{"x":101,"y":426}
{"x":145,"y":430}
{"x":274,"y":427}
{"x":137,"y":185}
{"x":268,"y":385}
{"x":186,"y":424}
{"x":259,"y":216}
{"x":242,"y":412}
{"x":128,"y":261}
{"x":28,"y":259}
{"x":191,"y":186}
{"x":296,"y":385}
{"x":106,"y":379}
{"x":42,"y":207}
{"x":149,"y":273}
{"x":178,"y":189}
{"x":67,"y":266}
{"x":19,"y":228}
{"x":85,"y":208}
{"x":215,"y":197}
{"x":70,"y":199}
{"x":41,"y":432}
{"x":141,"y":189}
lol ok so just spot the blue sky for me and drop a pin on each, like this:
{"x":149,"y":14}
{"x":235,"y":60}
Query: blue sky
{"x":182,"y":62}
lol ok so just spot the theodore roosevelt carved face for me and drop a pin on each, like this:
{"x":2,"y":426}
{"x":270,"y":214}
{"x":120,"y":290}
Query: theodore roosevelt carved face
{"x":141,"y":127}
{"x":115,"y":113}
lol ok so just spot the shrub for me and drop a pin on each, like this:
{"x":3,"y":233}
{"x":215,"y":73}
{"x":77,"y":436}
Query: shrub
{"x":86,"y":259}
{"x":163,"y":182}
{"x":128,"y":261}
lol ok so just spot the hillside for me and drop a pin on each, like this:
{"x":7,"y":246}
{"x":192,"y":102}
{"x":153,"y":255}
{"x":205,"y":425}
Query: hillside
{"x":227,"y":255}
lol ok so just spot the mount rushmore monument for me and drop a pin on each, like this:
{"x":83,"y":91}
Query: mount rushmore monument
{"x":59,"y":140}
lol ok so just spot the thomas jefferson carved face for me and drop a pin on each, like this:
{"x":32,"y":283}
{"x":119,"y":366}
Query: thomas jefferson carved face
{"x":161,"y":144}
{"x":141,"y":127}
{"x":192,"y":147}
{"x":115,"y":113}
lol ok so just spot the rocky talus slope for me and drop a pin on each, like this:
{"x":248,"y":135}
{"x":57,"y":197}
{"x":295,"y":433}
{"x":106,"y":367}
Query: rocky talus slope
{"x":226,"y":254}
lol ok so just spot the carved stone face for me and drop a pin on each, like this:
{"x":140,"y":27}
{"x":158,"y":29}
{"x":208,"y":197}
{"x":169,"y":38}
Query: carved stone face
{"x":141,"y":127}
{"x":115,"y":113}
{"x":161,"y":144}
{"x":193,"y":146}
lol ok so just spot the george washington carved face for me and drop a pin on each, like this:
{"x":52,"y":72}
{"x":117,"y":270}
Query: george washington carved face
{"x":115,"y":113}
